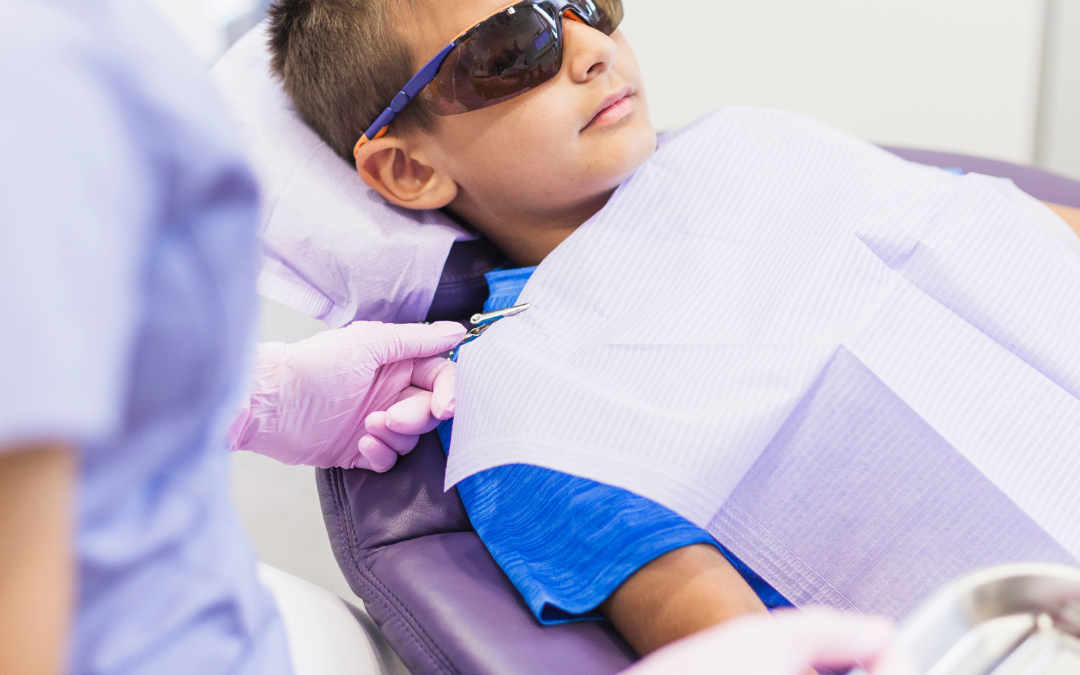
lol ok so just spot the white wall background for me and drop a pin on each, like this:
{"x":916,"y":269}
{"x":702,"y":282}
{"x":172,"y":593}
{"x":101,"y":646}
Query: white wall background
{"x":1059,"y":124}
{"x":959,"y":75}
{"x":944,"y":74}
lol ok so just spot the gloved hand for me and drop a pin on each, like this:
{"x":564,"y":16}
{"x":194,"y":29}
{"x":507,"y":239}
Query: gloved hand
{"x":783,"y":643}
{"x":354,"y":397}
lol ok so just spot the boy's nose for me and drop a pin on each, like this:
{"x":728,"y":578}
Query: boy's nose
{"x":588,"y":51}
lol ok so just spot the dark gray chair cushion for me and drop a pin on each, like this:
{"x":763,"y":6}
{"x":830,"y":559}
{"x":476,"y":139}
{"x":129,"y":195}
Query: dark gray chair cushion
{"x":462,"y":287}
{"x":408,"y":550}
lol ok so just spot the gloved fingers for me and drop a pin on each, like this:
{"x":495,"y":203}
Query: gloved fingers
{"x":784,"y":643}
{"x":438,"y":376}
{"x":426,"y":372}
{"x":412,"y":415}
{"x":389,"y":343}
{"x":825,"y":638}
{"x":358,"y":462}
{"x":375,"y":425}
{"x":830,"y":639}
{"x":378,"y":456}
{"x":893,"y":662}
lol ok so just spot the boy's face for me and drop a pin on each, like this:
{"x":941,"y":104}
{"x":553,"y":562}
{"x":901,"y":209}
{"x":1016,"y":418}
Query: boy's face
{"x":562,"y":148}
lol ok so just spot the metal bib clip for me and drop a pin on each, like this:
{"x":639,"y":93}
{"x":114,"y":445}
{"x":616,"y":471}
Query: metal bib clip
{"x":484,"y":321}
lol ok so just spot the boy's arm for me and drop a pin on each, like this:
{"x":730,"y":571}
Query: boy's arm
{"x":36,"y":567}
{"x":1067,"y":213}
{"x":678,"y":594}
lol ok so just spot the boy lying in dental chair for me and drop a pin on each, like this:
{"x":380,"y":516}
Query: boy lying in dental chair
{"x":536,"y":115}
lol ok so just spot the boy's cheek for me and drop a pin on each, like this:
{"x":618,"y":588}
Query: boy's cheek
{"x":536,"y":135}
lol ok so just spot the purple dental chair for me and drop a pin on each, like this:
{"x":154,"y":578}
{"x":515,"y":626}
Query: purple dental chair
{"x":409,"y":551}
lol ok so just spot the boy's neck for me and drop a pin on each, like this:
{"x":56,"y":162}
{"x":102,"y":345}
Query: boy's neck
{"x":527,"y":238}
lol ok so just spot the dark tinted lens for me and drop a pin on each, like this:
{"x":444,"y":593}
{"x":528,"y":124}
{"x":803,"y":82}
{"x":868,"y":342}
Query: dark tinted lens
{"x":505,"y":56}
{"x":603,"y":15}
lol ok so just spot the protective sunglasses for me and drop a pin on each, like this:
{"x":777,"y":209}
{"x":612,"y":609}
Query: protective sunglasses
{"x":505,"y":55}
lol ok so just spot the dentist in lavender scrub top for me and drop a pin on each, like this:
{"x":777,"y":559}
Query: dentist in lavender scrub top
{"x":128,"y":257}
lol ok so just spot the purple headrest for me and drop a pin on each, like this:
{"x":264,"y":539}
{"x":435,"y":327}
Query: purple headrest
{"x":1040,"y":184}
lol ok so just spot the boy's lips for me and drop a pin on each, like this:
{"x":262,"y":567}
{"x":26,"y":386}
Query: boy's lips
{"x":613,"y":109}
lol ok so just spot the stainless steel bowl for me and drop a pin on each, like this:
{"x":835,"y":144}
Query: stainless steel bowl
{"x":1011,"y":620}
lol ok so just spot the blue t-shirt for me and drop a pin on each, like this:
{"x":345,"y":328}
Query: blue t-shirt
{"x":127,"y":294}
{"x":566,"y":542}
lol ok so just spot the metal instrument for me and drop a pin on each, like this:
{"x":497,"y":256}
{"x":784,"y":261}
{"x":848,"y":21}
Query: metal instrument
{"x":484,"y":321}
{"x":491,"y":317}
{"x":1011,"y":620}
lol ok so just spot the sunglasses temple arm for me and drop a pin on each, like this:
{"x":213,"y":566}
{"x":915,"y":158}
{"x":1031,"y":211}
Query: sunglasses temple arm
{"x":404,"y":97}
{"x":569,"y":13}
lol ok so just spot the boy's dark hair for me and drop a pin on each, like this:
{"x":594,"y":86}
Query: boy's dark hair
{"x":341,"y":62}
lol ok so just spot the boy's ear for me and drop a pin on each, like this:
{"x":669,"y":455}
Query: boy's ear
{"x":402,"y":174}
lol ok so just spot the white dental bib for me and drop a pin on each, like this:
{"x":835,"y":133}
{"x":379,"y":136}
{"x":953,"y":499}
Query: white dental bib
{"x":807,"y":346}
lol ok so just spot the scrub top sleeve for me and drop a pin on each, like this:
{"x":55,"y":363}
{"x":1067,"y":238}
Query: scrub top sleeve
{"x":73,"y":198}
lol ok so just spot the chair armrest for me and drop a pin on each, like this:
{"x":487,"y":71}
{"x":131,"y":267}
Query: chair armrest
{"x":326,"y":635}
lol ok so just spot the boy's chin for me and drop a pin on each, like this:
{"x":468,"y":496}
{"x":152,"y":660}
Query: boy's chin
{"x":620,"y":154}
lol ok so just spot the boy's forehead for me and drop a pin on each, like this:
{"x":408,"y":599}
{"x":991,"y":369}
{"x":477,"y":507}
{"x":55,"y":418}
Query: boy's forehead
{"x":437,"y":22}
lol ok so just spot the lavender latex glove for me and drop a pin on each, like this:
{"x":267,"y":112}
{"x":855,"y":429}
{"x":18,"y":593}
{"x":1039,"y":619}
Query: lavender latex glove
{"x":783,"y":643}
{"x":354,"y":397}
